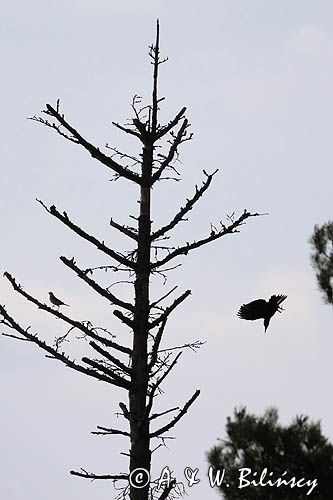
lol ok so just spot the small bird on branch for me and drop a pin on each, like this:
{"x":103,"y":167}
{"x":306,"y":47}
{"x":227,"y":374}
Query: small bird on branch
{"x":262,"y":308}
{"x":55,"y":301}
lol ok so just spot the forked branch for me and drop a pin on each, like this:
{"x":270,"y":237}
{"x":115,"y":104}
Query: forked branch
{"x":158,"y":383}
{"x":157,"y":341}
{"x":169,"y":309}
{"x":54,"y":352}
{"x":173,"y":422}
{"x":186,"y":208}
{"x":98,"y":244}
{"x":79,"y":139}
{"x":102,"y":291}
{"x":214,"y":235}
{"x":164,"y":130}
{"x":86,"y":330}
{"x":176,"y":141}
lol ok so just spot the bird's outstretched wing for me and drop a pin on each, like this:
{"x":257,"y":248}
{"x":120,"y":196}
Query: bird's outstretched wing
{"x":278,"y":299}
{"x":253,"y":310}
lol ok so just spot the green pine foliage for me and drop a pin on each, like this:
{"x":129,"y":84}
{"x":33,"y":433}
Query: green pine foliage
{"x":322,"y":258}
{"x":259,"y":442}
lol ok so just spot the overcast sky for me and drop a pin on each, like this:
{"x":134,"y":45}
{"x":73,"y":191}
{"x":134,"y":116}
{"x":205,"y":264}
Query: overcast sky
{"x":257,"y":80}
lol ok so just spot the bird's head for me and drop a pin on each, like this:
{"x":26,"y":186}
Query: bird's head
{"x":275,"y":303}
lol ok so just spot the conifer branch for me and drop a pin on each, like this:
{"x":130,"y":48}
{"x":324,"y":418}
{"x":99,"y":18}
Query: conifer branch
{"x":158,"y":383}
{"x":124,"y":230}
{"x":186,"y":208}
{"x":157,"y":341}
{"x":214,"y":235}
{"x":123,"y":318}
{"x":111,"y":358}
{"x":169,"y":309}
{"x":164,"y":130}
{"x":88,"y":475}
{"x":55,"y":354}
{"x":176,"y":141}
{"x":104,"y":293}
{"x":98,"y":244}
{"x":79,"y":139}
{"x":173,"y":422}
{"x":118,"y":380}
{"x":156,"y":415}
{"x":106,"y":431}
{"x":89,"y":331}
{"x":154,"y":304}
{"x":127,"y":130}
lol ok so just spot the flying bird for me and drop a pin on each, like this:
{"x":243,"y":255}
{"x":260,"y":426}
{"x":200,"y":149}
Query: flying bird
{"x":262,"y":308}
{"x":55,"y":301}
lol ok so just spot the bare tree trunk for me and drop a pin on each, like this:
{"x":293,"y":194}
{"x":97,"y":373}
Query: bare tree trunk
{"x":139,"y":423}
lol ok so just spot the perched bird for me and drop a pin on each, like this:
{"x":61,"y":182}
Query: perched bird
{"x":260,"y":308}
{"x":55,"y":301}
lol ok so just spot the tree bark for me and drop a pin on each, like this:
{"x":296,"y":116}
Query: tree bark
{"x":140,"y":454}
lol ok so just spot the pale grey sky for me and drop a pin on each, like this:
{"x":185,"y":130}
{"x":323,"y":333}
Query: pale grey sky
{"x":257,"y":79}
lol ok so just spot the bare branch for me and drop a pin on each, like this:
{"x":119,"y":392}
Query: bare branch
{"x":14,"y":336}
{"x":124,"y":230}
{"x":156,"y":415}
{"x":106,"y":431}
{"x":172,"y":151}
{"x":214,"y":235}
{"x":156,"y":345}
{"x":123,"y":318}
{"x":191,"y":345}
{"x":120,"y":381}
{"x":187,"y":207}
{"x":88,"y":475}
{"x":173,"y":422}
{"x":169,"y":309}
{"x":76,"y":324}
{"x":111,"y":358}
{"x":158,"y":383}
{"x":125,"y":411}
{"x":122,"y":155}
{"x":98,"y":244}
{"x":154,"y":304}
{"x":127,"y":130}
{"x":95,"y":152}
{"x":166,"y":373}
{"x":105,"y":293}
{"x":164,"y":130}
{"x":60,"y":356}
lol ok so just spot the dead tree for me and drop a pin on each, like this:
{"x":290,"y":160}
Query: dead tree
{"x":141,"y":368}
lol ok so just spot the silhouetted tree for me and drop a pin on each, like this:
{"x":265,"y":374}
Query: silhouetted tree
{"x":260,"y":442}
{"x":140,"y":368}
{"x":322,"y":258}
